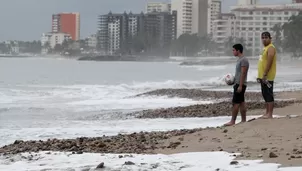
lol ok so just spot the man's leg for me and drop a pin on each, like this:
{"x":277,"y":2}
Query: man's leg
{"x":235,"y":111}
{"x":236,"y":105}
{"x":270,"y":107}
{"x":263,"y":91}
{"x":243,"y":104}
{"x":243,"y":111}
{"x":269,"y":99}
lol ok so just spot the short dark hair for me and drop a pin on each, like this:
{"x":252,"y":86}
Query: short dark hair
{"x":238,"y":47}
{"x":266,"y":33}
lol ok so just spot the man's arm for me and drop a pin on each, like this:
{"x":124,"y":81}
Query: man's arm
{"x":270,"y":57}
{"x":243,"y":74}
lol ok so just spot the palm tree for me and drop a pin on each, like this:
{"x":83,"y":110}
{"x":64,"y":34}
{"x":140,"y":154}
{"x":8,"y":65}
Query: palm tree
{"x":277,"y":29}
{"x":230,"y":41}
{"x":293,"y":35}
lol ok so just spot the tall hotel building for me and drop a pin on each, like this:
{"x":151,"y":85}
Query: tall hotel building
{"x":68,"y":23}
{"x":248,"y":20}
{"x":196,"y":16}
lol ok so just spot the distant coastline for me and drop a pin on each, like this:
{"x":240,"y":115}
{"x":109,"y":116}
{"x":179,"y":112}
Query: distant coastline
{"x":15,"y":56}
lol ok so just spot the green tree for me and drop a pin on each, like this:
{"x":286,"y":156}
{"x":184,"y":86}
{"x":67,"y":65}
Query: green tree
{"x":293,"y":35}
{"x":4,"y":48}
{"x":187,"y":45}
{"x":207,"y":45}
{"x":58,"y":48}
{"x":230,"y":41}
{"x":277,"y":29}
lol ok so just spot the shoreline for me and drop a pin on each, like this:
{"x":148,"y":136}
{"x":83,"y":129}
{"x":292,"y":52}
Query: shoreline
{"x":254,"y":140}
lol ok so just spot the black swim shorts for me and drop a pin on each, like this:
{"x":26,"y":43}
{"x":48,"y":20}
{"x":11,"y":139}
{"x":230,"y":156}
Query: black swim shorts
{"x":268,"y":92}
{"x":238,"y":97}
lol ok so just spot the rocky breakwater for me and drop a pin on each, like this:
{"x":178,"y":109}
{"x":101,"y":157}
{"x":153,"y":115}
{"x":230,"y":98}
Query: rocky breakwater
{"x":143,"y":142}
{"x":204,"y":110}
{"x":198,"y":94}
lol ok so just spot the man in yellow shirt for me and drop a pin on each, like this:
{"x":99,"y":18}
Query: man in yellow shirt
{"x":267,"y":73}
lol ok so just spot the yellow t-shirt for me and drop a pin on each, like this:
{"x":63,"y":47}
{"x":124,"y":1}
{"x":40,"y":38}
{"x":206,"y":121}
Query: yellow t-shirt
{"x":262,"y":64}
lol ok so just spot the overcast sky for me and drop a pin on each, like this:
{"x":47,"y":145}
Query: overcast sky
{"x":28,"y":19}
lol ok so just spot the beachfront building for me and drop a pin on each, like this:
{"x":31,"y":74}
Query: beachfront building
{"x":91,"y":41}
{"x":117,"y":32}
{"x":248,"y":21}
{"x":214,"y":12}
{"x":68,"y":23}
{"x":196,"y":16}
{"x":224,"y":28}
{"x":50,"y":40}
{"x":158,"y":7}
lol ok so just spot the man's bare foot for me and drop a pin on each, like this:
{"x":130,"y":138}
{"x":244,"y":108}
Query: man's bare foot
{"x":229,"y":124}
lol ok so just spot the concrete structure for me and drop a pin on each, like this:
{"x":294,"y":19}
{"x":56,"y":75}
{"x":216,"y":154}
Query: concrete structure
{"x":13,"y":47}
{"x":247,"y":2}
{"x":91,"y":41}
{"x":192,"y":16}
{"x":118,"y":31}
{"x":161,"y":27}
{"x":158,"y":7}
{"x":224,"y":28}
{"x":112,"y":32}
{"x":214,"y":11}
{"x":249,"y":21}
{"x":52,"y":39}
{"x":68,"y":23}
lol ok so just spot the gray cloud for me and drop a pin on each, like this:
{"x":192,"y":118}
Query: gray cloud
{"x":28,"y":19}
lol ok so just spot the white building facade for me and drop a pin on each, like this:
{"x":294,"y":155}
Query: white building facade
{"x":192,"y":16}
{"x":223,"y":29}
{"x":52,"y":39}
{"x":158,"y":7}
{"x":214,"y":11}
{"x":114,"y":35}
{"x":91,"y":41}
{"x":249,"y":21}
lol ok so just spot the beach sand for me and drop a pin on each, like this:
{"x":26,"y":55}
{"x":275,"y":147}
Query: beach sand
{"x":276,"y":140}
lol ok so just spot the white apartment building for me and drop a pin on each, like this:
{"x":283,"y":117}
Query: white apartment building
{"x":158,"y":7}
{"x":224,"y":28}
{"x":249,"y":21}
{"x":133,"y":22}
{"x":214,"y":11}
{"x":53,"y":39}
{"x":91,"y":41}
{"x":114,"y":35}
{"x":247,"y":2}
{"x":192,"y":16}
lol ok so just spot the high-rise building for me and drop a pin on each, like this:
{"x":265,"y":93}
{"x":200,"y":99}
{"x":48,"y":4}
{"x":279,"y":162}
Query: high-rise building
{"x":68,"y":23}
{"x":214,"y":11}
{"x":192,"y":16}
{"x":118,"y":31}
{"x":223,"y":29}
{"x":248,"y":22}
{"x":158,"y":7}
{"x":161,"y":28}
